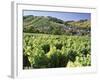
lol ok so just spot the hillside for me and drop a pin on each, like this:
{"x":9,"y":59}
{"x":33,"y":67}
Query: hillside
{"x":52,"y":25}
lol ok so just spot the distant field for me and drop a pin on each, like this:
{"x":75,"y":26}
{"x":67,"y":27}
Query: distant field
{"x":52,"y":51}
{"x":53,"y":25}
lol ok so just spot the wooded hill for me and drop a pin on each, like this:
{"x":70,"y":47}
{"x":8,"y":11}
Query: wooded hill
{"x":52,"y":25}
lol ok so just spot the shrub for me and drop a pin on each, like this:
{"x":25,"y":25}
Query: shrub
{"x":45,"y":47}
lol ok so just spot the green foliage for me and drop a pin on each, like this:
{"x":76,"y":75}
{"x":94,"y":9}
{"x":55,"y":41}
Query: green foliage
{"x":39,"y":59}
{"x":50,"y":51}
{"x":58,"y":46}
{"x":45,"y":47}
{"x":72,"y":55}
{"x":54,"y":59}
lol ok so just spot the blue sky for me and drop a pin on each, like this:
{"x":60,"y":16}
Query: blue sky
{"x":66,"y":16}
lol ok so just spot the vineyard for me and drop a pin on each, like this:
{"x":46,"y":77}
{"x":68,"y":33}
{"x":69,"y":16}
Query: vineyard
{"x":54,"y":51}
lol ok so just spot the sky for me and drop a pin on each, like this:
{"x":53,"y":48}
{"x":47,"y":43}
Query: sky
{"x":66,"y":16}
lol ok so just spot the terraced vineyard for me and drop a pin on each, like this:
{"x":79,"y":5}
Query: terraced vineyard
{"x":52,"y":51}
{"x":52,"y":41}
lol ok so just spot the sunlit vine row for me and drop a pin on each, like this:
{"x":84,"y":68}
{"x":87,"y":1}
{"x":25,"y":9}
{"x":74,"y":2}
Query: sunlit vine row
{"x":51,"y":51}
